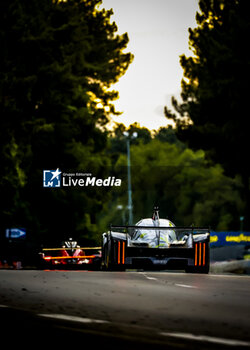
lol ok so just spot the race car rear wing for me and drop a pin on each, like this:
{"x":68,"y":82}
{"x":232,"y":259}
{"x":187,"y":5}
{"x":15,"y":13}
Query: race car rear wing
{"x":130,"y":229}
{"x":190,"y":228}
{"x":180,"y":231}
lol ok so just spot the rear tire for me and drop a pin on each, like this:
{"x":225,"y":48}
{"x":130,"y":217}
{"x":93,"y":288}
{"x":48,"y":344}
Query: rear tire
{"x":108,"y":264}
{"x":105,"y":265}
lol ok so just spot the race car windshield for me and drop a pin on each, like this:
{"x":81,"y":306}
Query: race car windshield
{"x":70,"y":244}
{"x":152,"y":235}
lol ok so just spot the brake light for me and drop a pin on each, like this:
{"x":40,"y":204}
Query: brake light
{"x":200,"y":254}
{"x":119,"y":254}
{"x":123,"y":252}
{"x":204,"y":252}
{"x":195,"y":256}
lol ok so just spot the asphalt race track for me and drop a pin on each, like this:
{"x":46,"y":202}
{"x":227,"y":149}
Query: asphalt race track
{"x":124,"y":310}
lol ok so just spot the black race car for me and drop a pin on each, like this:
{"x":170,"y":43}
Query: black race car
{"x":156,"y":243}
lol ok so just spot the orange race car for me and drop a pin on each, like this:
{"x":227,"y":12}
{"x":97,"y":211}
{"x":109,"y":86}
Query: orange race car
{"x":71,"y":255}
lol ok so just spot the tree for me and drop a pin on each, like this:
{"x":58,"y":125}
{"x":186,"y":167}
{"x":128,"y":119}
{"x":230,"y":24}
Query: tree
{"x":117,"y":139}
{"x":181,"y":182}
{"x":213,"y":112}
{"x":58,"y":61}
{"x":168,"y":134}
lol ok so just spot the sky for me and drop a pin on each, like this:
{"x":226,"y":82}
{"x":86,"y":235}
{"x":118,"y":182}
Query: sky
{"x":158,"y":35}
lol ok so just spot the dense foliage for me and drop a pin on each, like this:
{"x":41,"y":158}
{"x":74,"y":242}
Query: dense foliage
{"x":181,"y":182}
{"x":58,"y":61}
{"x":213,"y":113}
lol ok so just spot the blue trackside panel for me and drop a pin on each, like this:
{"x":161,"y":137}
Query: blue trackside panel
{"x":219,"y":239}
